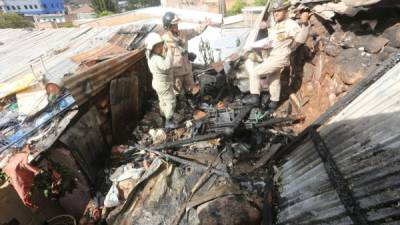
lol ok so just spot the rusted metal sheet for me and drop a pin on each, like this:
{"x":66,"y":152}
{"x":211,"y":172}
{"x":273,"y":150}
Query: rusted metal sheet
{"x":88,"y":83}
{"x":106,"y":50}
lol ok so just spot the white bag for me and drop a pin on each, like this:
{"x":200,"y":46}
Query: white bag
{"x":111,"y":199}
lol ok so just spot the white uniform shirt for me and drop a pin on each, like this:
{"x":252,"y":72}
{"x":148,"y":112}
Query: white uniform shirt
{"x":281,"y":37}
{"x":283,"y":34}
{"x":161,"y":66}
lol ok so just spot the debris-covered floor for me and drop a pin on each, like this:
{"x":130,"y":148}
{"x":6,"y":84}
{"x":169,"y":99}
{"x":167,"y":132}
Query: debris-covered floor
{"x":213,"y":169}
{"x":219,"y":166}
{"x":190,"y":174}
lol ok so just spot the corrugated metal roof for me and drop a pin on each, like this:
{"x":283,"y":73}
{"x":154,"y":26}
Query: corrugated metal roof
{"x":91,"y":81}
{"x":364,"y":141}
{"x":47,"y":51}
{"x":50,"y":52}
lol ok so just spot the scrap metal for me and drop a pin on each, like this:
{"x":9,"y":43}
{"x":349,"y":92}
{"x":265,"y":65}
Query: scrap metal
{"x":189,"y":163}
{"x":63,"y":104}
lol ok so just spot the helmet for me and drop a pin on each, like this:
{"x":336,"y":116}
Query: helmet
{"x":152,"y":39}
{"x":169,"y":18}
{"x":280,"y":4}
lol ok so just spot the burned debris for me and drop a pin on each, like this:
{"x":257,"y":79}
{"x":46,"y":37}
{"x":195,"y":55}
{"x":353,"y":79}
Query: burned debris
{"x":96,"y":144}
{"x":216,"y":157}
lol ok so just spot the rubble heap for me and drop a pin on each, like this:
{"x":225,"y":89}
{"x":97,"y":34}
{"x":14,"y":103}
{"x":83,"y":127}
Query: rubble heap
{"x":188,"y":175}
{"x":218,"y":157}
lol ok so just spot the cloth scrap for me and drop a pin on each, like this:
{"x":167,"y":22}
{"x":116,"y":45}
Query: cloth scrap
{"x":22,"y":175}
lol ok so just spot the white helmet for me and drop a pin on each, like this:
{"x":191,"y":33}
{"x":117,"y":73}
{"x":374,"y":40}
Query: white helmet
{"x":152,"y":39}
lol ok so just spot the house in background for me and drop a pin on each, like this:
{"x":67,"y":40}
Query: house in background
{"x":79,"y":12}
{"x":213,"y":6}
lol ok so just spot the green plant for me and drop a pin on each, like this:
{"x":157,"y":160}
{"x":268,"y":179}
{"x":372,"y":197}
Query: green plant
{"x":137,"y":4}
{"x":3,"y":177}
{"x":54,"y":182}
{"x":68,"y":24}
{"x":13,"y":20}
{"x":101,"y":6}
{"x":260,"y":2}
{"x":236,"y":8}
{"x":104,"y":13}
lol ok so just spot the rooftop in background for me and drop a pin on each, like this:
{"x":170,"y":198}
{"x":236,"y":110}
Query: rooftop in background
{"x":82,"y":9}
{"x":152,"y":13}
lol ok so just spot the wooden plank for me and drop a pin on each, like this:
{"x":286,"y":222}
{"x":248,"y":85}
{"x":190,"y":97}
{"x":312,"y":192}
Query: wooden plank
{"x":138,"y":96}
{"x":124,"y":101}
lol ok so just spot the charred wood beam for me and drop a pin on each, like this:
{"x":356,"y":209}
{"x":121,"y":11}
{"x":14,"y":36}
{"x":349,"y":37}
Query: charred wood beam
{"x":268,"y":203}
{"x":200,"y":182}
{"x":141,"y":35}
{"x":274,"y":121}
{"x":180,"y":143}
{"x":269,"y":123}
{"x":359,"y":88}
{"x":337,"y":180}
{"x":189,"y":163}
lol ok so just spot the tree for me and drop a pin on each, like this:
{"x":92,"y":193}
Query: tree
{"x":137,"y":4}
{"x":13,"y":20}
{"x":101,"y":6}
{"x":236,"y":8}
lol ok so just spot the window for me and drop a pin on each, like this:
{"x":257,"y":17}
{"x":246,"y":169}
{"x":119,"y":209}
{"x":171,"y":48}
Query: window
{"x":8,"y":7}
{"x":18,"y":7}
{"x":26,"y":7}
{"x":44,"y":6}
{"x":1,"y":7}
{"x":52,"y":5}
{"x":35,"y":6}
{"x":13,"y":7}
{"x":30,"y":6}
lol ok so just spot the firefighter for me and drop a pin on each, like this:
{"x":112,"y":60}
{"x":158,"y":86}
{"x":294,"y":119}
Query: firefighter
{"x":182,"y":68}
{"x":285,"y":35}
{"x":160,"y":61}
